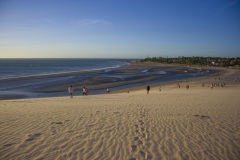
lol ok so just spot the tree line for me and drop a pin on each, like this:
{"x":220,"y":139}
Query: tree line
{"x":205,"y":61}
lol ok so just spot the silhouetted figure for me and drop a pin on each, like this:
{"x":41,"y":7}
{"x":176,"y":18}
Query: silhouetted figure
{"x":178,"y":85}
{"x":84,"y":91}
{"x":148,"y":89}
{"x":108,"y":91}
{"x":70,"y":90}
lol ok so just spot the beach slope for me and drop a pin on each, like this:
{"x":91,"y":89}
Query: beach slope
{"x":174,"y":123}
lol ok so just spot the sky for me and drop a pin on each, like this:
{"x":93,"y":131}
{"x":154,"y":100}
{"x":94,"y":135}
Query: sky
{"x":119,"y":28}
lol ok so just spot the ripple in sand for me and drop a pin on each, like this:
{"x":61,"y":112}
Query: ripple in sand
{"x":8,"y":145}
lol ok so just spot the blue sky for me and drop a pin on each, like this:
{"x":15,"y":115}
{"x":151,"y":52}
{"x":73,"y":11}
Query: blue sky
{"x":119,"y":29}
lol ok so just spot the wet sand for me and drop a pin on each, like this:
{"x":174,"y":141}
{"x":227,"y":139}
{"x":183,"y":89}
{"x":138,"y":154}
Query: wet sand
{"x":127,"y":76}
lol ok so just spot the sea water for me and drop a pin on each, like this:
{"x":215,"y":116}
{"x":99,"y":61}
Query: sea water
{"x":21,"y":77}
{"x":27,"y":78}
{"x":15,"y":68}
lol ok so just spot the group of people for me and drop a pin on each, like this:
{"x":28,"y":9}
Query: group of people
{"x":187,"y":86}
{"x":71,"y":90}
{"x":84,"y":91}
{"x":217,"y":85}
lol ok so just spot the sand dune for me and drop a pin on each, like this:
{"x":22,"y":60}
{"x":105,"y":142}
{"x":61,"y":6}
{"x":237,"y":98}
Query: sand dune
{"x":176,"y":123}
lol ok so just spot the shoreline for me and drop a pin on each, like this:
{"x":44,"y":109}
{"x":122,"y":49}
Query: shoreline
{"x":227,"y":76}
{"x":175,"y":123}
{"x":115,"y":87}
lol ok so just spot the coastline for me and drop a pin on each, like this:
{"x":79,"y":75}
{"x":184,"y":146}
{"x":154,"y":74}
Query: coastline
{"x":227,"y":75}
{"x":125,"y":78}
{"x":175,"y":123}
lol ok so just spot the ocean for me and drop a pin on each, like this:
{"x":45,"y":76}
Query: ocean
{"x":35,"y":78}
{"x":25,"y":78}
{"x":10,"y":68}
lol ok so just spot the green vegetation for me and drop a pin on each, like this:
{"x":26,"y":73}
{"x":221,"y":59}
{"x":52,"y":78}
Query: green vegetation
{"x":205,"y":61}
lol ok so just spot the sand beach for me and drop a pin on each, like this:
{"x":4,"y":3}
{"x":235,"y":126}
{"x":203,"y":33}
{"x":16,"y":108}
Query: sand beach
{"x":128,"y":75}
{"x":121,"y":80}
{"x":174,"y":123}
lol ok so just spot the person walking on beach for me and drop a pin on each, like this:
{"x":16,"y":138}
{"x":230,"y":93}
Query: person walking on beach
{"x":84,"y":91}
{"x":178,"y":85}
{"x":211,"y":86}
{"x":108,"y":91}
{"x":148,"y":89}
{"x":70,"y":90}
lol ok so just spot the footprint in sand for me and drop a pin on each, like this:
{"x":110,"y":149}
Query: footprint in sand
{"x":140,"y":142}
{"x":137,"y":131}
{"x":144,"y":135}
{"x":134,"y":148}
{"x":53,"y":130}
{"x":149,"y":157}
{"x":98,"y":112}
{"x":90,"y":125}
{"x":202,"y":116}
{"x":32,"y":137}
{"x":141,"y":122}
{"x":136,"y":138}
{"x":71,"y":131}
{"x":57,"y":123}
{"x":143,"y":154}
{"x":148,"y":144}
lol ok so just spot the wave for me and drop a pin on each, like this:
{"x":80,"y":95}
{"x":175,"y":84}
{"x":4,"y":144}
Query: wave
{"x":55,"y":73}
{"x":144,"y":71}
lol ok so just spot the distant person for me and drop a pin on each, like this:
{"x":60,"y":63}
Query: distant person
{"x":160,"y":89}
{"x":108,"y":91}
{"x":148,"y":89}
{"x":70,"y":90}
{"x":211,"y":86}
{"x":84,"y":91}
{"x":178,"y":85}
{"x":187,"y":87}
